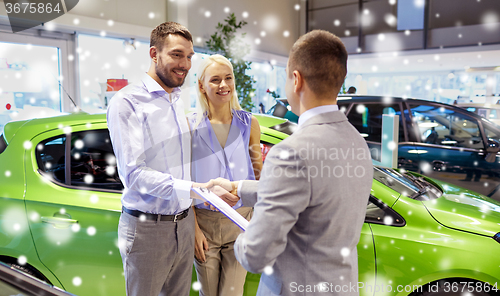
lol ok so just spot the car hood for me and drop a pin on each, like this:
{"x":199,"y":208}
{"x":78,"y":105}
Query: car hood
{"x":465,"y":210}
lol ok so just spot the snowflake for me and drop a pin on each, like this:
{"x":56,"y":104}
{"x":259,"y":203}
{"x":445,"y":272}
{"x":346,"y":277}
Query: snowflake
{"x":91,"y":230}
{"x":284,"y":154}
{"x":196,"y":286}
{"x":94,"y":198}
{"x":88,"y":179}
{"x":22,"y":260}
{"x":345,"y":252}
{"x":75,"y":227}
{"x":110,"y":170}
{"x":391,"y":145}
{"x":360,"y":109}
{"x":268,"y":270}
{"x":27,"y":145}
{"x":77,"y":281}
{"x":34,"y":216}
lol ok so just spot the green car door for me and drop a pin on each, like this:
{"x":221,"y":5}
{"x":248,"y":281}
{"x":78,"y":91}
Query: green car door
{"x":74,"y":230}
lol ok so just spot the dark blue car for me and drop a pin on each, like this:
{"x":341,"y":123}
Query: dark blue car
{"x":442,"y":141}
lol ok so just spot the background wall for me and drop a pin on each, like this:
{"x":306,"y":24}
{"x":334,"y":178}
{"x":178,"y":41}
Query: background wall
{"x":273,"y":26}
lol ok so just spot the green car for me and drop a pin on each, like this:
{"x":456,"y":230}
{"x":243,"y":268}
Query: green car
{"x":60,"y":205}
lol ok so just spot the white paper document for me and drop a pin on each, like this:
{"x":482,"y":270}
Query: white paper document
{"x":222,"y":206}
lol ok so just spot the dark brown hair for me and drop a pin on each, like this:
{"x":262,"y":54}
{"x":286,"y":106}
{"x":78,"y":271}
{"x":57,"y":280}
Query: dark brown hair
{"x":321,"y":58}
{"x":161,"y":32}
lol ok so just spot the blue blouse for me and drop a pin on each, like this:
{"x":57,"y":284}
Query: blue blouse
{"x":210,"y":160}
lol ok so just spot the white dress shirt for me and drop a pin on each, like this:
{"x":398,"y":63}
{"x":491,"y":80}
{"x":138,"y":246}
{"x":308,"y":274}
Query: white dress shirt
{"x":316,"y":111}
{"x":152,"y":145}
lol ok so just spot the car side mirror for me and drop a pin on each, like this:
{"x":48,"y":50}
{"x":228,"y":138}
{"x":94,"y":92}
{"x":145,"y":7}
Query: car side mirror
{"x":492,"y":148}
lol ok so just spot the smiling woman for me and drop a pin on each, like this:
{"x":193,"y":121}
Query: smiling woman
{"x":225,"y":143}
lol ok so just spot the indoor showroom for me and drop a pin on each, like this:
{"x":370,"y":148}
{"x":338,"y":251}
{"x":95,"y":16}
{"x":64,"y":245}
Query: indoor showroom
{"x":242,"y":148}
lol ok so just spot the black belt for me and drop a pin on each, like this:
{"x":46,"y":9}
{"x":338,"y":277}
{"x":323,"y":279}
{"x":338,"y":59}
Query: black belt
{"x":156,"y":217}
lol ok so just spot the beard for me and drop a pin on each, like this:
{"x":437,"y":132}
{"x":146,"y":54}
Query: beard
{"x":168,"y":78}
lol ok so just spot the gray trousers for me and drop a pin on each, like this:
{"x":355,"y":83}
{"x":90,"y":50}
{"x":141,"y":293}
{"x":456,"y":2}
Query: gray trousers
{"x":157,"y":256}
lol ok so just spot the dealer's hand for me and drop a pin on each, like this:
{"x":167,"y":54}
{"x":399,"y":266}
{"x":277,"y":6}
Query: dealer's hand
{"x":225,"y":195}
{"x":226,"y":184}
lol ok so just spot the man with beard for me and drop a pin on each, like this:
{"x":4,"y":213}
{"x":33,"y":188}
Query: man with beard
{"x":151,"y":141}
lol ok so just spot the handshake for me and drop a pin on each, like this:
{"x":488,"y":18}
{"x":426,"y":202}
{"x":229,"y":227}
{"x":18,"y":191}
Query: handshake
{"x":223,"y":188}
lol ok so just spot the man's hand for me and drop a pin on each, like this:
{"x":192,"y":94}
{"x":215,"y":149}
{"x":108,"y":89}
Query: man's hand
{"x":225,"y":195}
{"x":202,"y":185}
{"x":226,"y":184}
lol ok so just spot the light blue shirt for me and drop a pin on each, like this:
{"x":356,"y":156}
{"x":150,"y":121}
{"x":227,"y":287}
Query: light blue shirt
{"x":152,"y":145}
{"x":316,"y":111}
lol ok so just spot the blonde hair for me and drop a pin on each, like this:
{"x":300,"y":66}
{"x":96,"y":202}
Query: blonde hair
{"x":204,"y":110}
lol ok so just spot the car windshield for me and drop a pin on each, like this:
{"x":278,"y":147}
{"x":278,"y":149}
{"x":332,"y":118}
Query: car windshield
{"x":406,"y":183}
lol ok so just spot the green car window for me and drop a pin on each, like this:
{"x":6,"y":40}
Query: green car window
{"x":406,"y":184}
{"x":3,"y":144}
{"x":50,"y":158}
{"x":378,"y":212}
{"x":93,"y":163}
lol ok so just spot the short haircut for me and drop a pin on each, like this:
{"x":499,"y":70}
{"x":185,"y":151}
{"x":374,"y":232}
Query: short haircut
{"x":161,"y":32}
{"x":321,"y":58}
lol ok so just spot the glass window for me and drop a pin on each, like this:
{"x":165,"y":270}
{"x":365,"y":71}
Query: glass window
{"x":492,"y":133}
{"x":29,"y":84}
{"x":108,"y":58}
{"x":379,"y":213}
{"x":338,"y":17}
{"x":493,"y":114}
{"x":93,"y":163}
{"x":50,"y":158}
{"x":406,"y":183}
{"x":367,"y":119}
{"x":410,"y":15}
{"x":441,"y":126}
{"x":267,"y":77}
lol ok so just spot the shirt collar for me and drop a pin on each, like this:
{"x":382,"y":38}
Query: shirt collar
{"x":316,"y":111}
{"x":153,"y":86}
